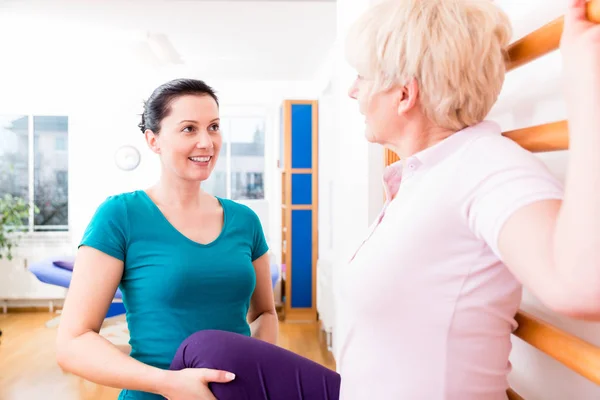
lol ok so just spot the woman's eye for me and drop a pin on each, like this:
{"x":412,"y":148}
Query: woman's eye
{"x":214,"y":127}
{"x":188,"y":129}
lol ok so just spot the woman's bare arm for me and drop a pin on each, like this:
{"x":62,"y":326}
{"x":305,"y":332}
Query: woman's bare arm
{"x":553,"y":246}
{"x":262,"y":315}
{"x":80,"y":348}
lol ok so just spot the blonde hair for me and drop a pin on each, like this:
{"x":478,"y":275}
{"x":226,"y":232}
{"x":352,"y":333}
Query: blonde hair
{"x":455,"y":49}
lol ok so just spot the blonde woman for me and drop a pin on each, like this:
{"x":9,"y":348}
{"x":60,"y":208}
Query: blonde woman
{"x":426,"y":305}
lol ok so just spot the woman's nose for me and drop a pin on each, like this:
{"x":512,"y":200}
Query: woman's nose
{"x":204,"y":141}
{"x":353,"y":91}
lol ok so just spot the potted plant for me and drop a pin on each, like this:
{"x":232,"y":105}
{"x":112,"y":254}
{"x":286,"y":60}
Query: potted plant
{"x":14,"y":212}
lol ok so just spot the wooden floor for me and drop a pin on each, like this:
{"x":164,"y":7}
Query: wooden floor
{"x":28,"y":369}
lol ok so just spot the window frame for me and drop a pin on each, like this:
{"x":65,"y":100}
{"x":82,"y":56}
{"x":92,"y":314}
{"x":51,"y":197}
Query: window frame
{"x":231,"y":112}
{"x":31,"y":229}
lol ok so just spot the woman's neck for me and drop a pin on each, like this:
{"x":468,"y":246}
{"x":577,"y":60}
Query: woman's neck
{"x":417,"y":138}
{"x":178,"y":193}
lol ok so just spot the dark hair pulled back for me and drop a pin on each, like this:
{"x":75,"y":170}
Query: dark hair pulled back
{"x":157,"y":106}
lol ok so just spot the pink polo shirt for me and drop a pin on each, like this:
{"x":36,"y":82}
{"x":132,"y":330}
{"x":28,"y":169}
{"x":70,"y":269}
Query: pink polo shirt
{"x":425,"y":308}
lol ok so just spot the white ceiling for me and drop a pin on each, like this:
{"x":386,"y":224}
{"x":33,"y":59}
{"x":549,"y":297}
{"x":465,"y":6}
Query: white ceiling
{"x":220,"y":39}
{"x":225,"y":40}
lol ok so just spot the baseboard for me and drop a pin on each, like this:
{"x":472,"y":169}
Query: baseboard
{"x":26,"y":310}
{"x":326,"y":335}
{"x":31,"y":305}
{"x":301,"y":315}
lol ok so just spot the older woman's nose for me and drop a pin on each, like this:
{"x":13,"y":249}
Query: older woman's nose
{"x":353,"y":91}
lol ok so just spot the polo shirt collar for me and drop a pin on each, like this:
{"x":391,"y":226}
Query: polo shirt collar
{"x":432,"y":155}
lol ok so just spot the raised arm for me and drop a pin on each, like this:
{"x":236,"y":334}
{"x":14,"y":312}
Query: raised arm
{"x":553,"y":246}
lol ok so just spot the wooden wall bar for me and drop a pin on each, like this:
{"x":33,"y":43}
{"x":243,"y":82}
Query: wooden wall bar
{"x":390,"y":157}
{"x":543,"y":40}
{"x":535,"y":45}
{"x":576,"y":354}
{"x":512,"y":395}
{"x":541,"y":138}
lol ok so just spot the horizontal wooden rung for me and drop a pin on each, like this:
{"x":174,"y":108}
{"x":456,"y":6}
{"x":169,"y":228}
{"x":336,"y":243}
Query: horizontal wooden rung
{"x":553,"y":136}
{"x":547,"y":137}
{"x":537,"y":44}
{"x":544,"y":40}
{"x":573,"y":352}
{"x":512,"y":395}
{"x":301,"y":207}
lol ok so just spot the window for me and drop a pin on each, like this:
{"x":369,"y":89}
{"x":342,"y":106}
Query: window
{"x":239,"y":173}
{"x":34,"y":166}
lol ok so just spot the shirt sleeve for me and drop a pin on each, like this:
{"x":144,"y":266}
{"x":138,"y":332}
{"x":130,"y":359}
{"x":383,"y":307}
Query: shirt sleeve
{"x":508,"y":178}
{"x":259,"y":245}
{"x":108,"y":229}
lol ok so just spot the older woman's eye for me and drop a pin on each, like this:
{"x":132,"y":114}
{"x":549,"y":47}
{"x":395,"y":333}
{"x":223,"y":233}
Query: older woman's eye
{"x":188,"y":128}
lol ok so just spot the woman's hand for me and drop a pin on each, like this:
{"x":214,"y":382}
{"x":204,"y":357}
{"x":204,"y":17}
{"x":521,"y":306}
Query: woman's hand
{"x":580,"y":48}
{"x":192,"y":383}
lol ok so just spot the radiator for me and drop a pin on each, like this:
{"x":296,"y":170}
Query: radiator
{"x":325,"y":299}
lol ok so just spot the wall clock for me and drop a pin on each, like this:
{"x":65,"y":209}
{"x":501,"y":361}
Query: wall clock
{"x":127,"y":158}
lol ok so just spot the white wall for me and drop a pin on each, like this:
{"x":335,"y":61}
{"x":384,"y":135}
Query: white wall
{"x":350,"y":169}
{"x":348,"y":163}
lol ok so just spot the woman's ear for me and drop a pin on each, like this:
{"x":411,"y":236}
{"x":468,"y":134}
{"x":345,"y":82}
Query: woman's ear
{"x":408,"y":97}
{"x":152,"y":141}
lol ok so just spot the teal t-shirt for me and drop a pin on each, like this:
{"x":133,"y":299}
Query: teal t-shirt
{"x":173,"y":286}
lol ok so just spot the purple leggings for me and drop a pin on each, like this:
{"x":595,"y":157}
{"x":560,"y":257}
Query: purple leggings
{"x":262,"y":371}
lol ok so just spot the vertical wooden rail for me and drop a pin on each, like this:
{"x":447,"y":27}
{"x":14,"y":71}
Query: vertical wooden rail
{"x":390,"y":157}
{"x":300,"y":207}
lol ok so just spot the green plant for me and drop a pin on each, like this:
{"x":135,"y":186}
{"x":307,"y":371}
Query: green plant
{"x":13,"y":212}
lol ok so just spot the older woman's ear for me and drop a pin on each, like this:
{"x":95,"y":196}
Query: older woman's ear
{"x":408,"y":96}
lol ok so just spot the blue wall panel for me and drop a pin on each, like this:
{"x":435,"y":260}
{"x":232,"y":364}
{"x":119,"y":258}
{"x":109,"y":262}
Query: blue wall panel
{"x":301,"y":188}
{"x":301,"y":258}
{"x":301,"y":136}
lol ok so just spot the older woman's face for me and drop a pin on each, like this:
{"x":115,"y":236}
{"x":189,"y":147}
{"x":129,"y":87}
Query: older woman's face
{"x":380,"y":110}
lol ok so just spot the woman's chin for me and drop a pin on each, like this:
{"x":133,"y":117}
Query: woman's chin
{"x":197,"y":176}
{"x":199,"y":172}
{"x":370,"y":136}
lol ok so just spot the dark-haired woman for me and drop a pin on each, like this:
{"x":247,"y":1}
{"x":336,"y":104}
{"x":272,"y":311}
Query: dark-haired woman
{"x":185,"y":261}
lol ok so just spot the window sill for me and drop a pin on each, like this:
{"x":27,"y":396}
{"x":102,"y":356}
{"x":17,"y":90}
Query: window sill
{"x":25,"y":238}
